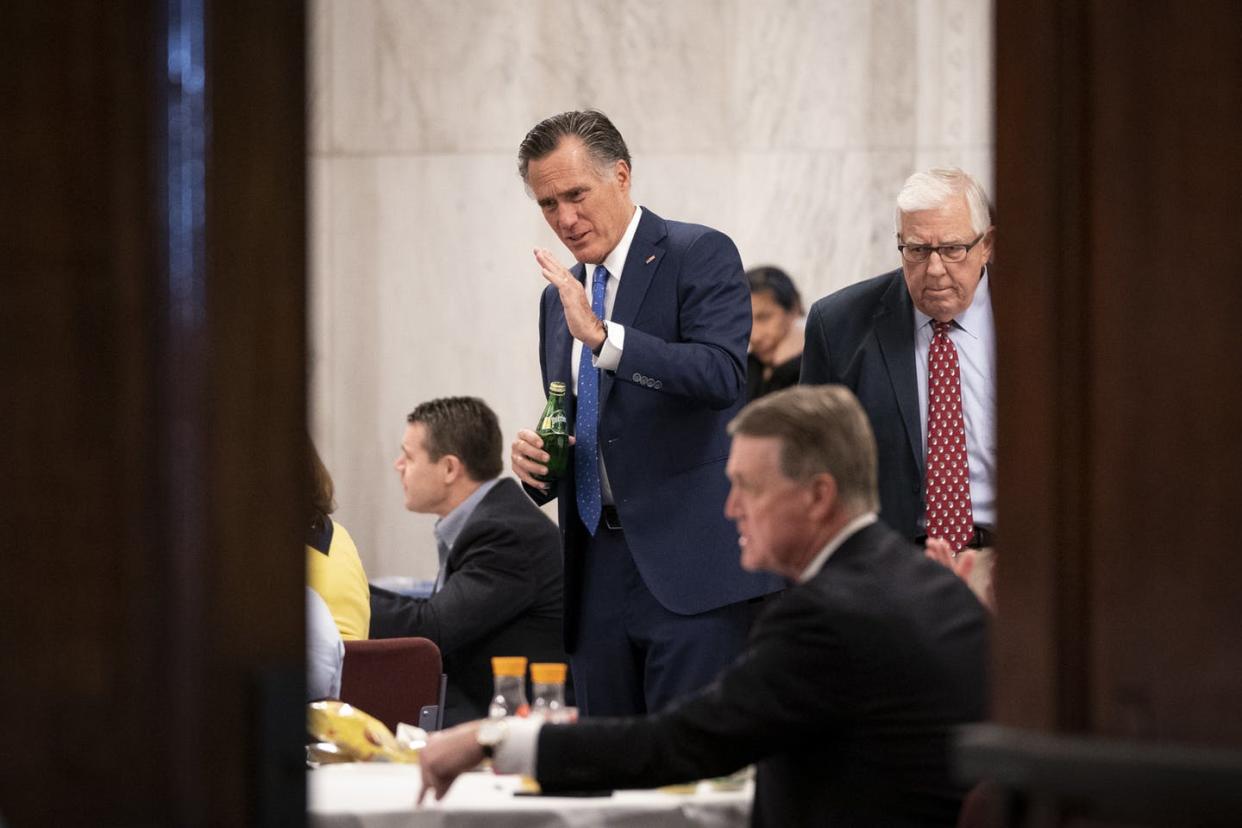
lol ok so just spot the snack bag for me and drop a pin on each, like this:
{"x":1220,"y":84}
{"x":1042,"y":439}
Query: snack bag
{"x":354,"y":735}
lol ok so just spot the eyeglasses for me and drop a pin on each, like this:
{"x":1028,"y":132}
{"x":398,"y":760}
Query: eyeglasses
{"x":919,"y":253}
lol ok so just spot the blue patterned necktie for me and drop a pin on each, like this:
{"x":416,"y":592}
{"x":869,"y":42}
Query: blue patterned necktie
{"x":586,"y":422}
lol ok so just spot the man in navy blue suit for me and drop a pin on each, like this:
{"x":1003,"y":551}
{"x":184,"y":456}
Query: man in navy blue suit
{"x":650,"y":328}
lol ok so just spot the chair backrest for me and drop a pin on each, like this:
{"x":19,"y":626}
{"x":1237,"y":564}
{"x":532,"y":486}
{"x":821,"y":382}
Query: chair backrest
{"x":392,"y":679}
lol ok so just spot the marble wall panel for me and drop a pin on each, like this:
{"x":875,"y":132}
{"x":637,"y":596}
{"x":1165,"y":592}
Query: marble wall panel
{"x":430,"y":76}
{"x":426,"y":295}
{"x":660,"y":68}
{"x":788,"y":124}
{"x":319,"y":76}
{"x":800,"y":74}
{"x":954,"y":52}
{"x":500,"y":66}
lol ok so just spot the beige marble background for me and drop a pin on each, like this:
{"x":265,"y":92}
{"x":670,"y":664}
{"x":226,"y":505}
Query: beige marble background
{"x":788,"y":124}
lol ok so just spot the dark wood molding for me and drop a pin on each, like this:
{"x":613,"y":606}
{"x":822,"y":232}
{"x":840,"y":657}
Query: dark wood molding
{"x":151,"y":603}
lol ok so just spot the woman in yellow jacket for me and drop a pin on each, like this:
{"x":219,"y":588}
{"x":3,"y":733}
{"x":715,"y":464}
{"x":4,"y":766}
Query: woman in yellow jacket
{"x":333,"y":568}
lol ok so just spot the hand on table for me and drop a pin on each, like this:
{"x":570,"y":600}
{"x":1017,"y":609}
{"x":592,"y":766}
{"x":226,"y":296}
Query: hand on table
{"x":448,"y":754}
{"x":582,"y":322}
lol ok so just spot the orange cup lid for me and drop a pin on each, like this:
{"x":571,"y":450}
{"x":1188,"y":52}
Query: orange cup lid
{"x":548,"y":673}
{"x":509,"y":665}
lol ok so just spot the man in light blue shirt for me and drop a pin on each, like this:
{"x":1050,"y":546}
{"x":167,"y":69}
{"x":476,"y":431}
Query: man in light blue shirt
{"x":882,"y":339}
{"x":499,"y":589}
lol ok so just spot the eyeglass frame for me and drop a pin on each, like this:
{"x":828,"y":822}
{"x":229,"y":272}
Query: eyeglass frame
{"x":936,"y":248}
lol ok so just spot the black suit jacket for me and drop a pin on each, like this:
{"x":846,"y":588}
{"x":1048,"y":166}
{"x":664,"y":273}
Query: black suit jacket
{"x":846,"y":696}
{"x":501,"y":597}
{"x":862,"y":337}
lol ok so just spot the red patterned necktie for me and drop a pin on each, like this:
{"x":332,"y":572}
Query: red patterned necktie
{"x":948,"y":472}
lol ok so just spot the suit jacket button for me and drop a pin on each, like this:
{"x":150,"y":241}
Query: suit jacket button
{"x":658,"y":384}
{"x":637,"y":377}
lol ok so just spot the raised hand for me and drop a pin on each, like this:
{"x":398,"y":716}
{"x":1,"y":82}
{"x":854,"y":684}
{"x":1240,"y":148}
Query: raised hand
{"x":582,"y":322}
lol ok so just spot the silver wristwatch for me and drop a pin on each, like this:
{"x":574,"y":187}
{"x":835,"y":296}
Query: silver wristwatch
{"x":490,"y":734}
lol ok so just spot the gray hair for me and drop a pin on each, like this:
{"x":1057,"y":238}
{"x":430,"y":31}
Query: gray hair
{"x":602,"y":140}
{"x":821,"y":428}
{"x":933,"y":189}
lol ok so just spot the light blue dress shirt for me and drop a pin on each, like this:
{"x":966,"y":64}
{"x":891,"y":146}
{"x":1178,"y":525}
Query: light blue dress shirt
{"x":974,"y":337}
{"x":449,"y":527}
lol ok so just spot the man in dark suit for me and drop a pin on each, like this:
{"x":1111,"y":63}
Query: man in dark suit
{"x":899,"y":339}
{"x":650,"y":330}
{"x":498,"y":592}
{"x":851,"y":682}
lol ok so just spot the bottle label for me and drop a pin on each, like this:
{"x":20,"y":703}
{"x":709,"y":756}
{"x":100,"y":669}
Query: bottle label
{"x":554,"y":422}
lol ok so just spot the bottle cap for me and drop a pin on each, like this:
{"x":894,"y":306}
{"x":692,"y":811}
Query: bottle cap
{"x":509,"y":666}
{"x":547,"y":673}
{"x":556,"y":387}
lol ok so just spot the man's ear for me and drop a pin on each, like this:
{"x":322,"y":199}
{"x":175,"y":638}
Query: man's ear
{"x":622,"y":171}
{"x":824,"y":494}
{"x":453,"y":468}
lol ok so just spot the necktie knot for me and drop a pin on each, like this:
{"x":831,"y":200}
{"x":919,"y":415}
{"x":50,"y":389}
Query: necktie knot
{"x":942,"y":328}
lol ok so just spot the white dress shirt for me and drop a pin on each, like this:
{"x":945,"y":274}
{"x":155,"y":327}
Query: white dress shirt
{"x":974,"y":337}
{"x":610,"y":354}
{"x":325,"y":652}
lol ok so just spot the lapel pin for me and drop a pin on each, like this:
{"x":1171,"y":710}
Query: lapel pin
{"x":650,"y":259}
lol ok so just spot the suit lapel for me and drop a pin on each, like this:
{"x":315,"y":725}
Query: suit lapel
{"x":894,"y":328}
{"x":640,"y":268}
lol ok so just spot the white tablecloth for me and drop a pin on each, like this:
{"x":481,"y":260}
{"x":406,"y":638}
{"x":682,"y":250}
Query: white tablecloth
{"x":383,"y":796}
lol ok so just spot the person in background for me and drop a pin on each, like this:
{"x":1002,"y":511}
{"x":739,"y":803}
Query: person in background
{"x":776,"y":334}
{"x":917,"y":345}
{"x":498,"y":592}
{"x":325,"y":651}
{"x":333,"y":568}
{"x":852,"y":682}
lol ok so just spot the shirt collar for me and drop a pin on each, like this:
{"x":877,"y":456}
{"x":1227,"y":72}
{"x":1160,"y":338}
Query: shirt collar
{"x":449,"y":527}
{"x":615,"y":261}
{"x":817,"y":563}
{"x":972,"y":320}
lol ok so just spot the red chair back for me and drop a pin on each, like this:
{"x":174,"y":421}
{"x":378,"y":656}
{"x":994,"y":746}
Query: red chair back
{"x":392,"y":678}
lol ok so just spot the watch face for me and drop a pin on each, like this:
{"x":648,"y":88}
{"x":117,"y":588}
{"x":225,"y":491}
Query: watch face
{"x":491,"y":732}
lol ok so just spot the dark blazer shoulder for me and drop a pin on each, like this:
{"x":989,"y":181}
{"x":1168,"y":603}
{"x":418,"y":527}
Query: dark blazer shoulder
{"x":507,"y":506}
{"x":507,"y":494}
{"x":859,"y":301}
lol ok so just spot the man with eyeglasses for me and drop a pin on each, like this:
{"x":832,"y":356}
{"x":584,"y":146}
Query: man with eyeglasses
{"x":916,"y":345}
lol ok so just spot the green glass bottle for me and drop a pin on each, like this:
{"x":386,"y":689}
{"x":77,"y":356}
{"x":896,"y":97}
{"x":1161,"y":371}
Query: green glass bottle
{"x":553,"y":429}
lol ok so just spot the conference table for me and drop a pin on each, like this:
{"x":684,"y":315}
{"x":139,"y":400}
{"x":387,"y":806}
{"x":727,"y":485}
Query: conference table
{"x":369,"y":795}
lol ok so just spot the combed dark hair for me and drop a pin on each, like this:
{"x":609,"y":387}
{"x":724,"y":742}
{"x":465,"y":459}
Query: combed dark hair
{"x":321,"y":490}
{"x":822,"y":428}
{"x":465,"y":428}
{"x":601,"y":139}
{"x":776,"y":282}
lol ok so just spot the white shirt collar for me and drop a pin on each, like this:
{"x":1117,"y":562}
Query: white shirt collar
{"x":817,"y":563}
{"x":615,"y":261}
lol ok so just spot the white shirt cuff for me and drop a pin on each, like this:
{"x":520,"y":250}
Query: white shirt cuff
{"x":516,"y":754}
{"x":610,"y":354}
